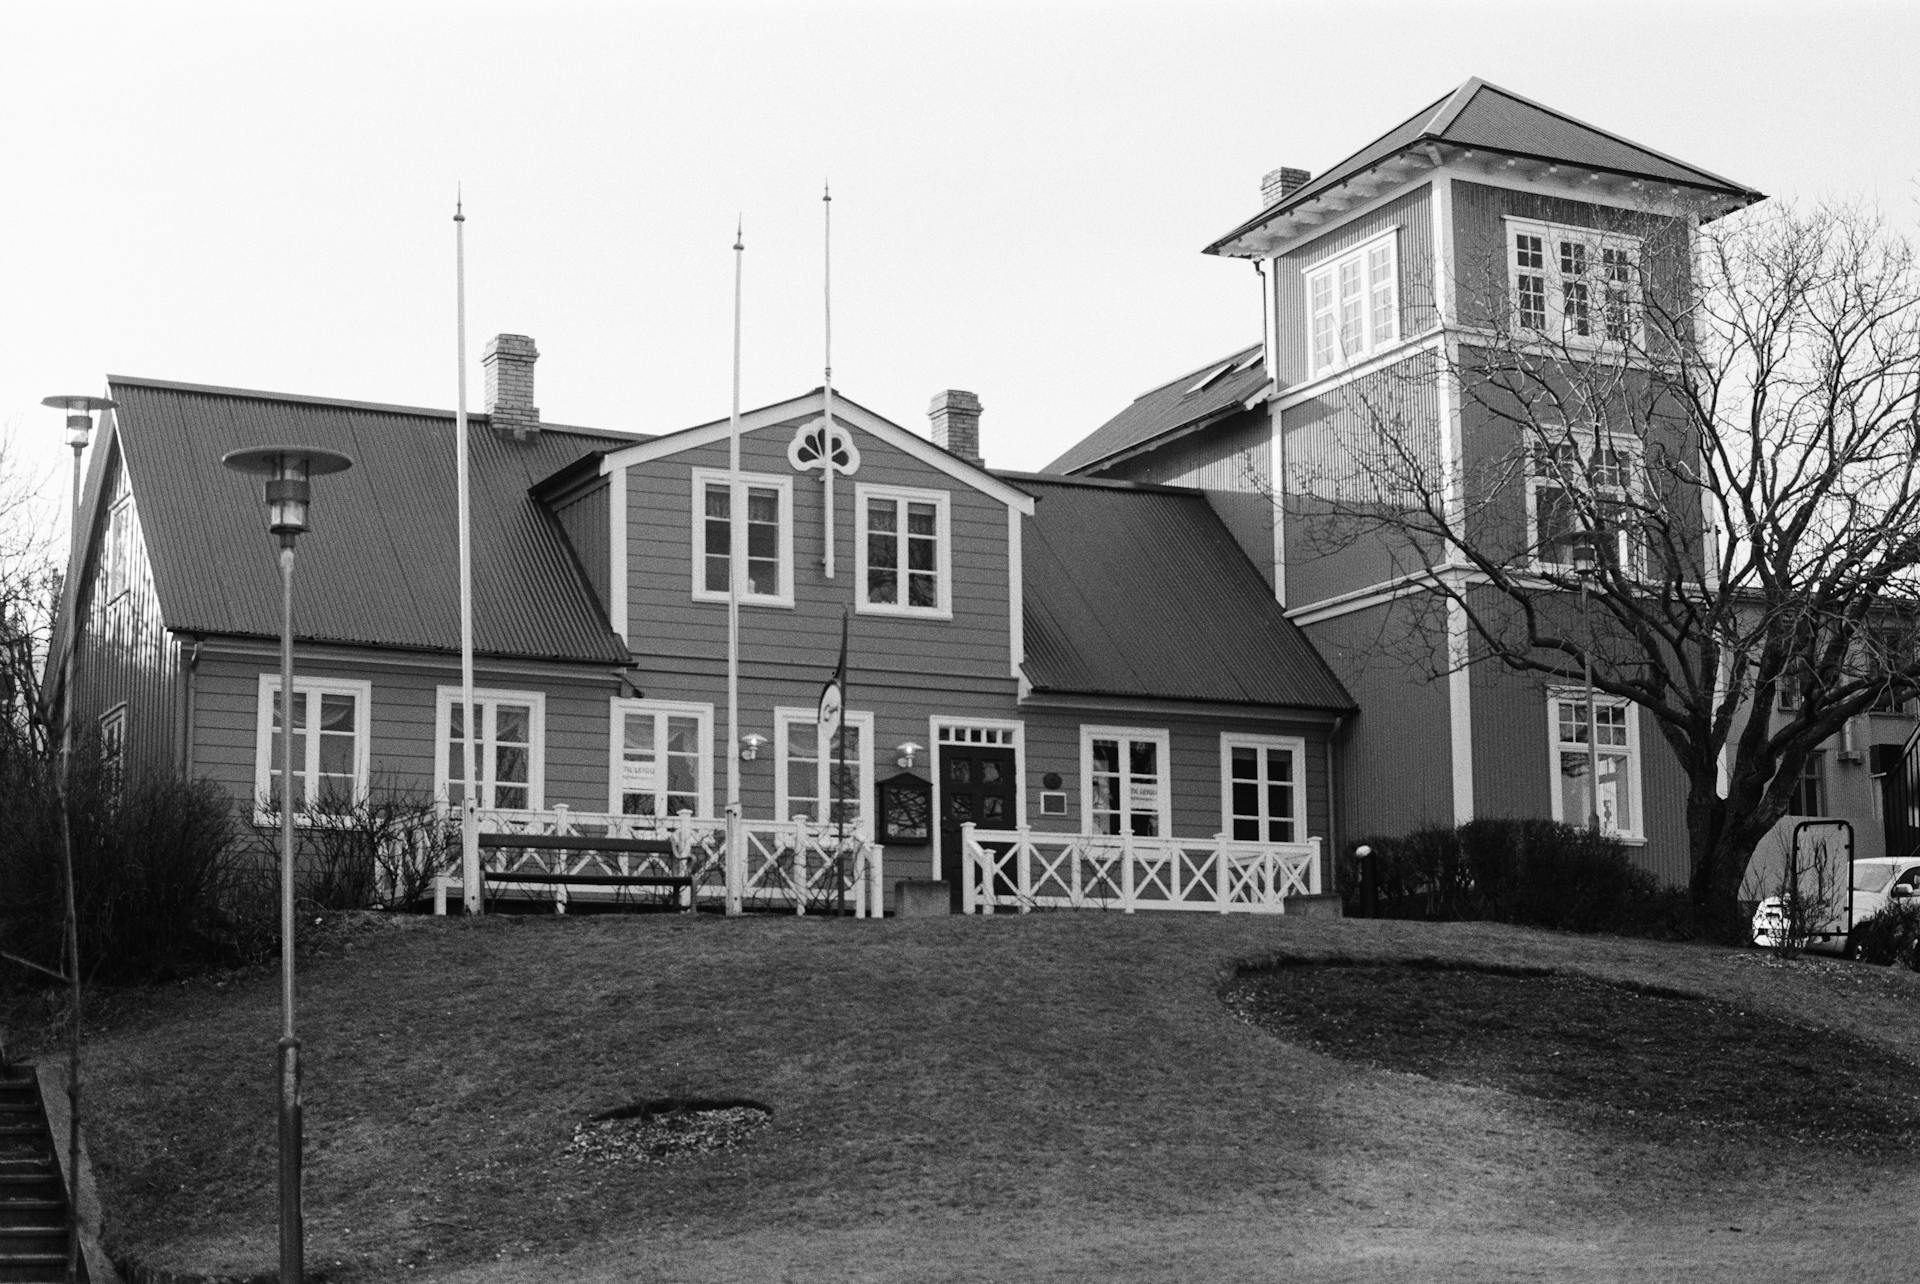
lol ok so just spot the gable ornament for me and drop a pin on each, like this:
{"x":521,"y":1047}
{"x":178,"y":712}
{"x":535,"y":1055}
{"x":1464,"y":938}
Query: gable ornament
{"x":823,"y":444}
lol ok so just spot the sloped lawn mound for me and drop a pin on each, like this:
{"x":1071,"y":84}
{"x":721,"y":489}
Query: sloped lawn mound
{"x":1660,"y":1064}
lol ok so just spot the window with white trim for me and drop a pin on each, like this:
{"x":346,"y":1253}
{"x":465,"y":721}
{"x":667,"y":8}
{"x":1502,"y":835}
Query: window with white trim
{"x":904,"y":559}
{"x":1810,"y":787}
{"x":662,"y":758}
{"x":1574,"y":284}
{"x":1583,"y":490}
{"x":761,"y":537}
{"x":113,"y":746}
{"x":1123,"y":773}
{"x":1616,"y":748}
{"x":117,"y":548}
{"x":330,"y":744}
{"x":1353,"y":304}
{"x":1262,"y":792}
{"x":509,"y":753}
{"x":809,"y":771}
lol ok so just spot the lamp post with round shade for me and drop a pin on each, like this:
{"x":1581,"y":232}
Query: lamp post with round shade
{"x":287,"y":471}
{"x":80,"y":411}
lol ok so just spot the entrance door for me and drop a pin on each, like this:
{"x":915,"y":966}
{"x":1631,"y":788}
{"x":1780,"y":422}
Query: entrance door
{"x":977,"y":783}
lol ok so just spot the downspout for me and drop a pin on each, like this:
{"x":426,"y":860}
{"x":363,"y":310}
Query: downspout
{"x":186,"y":722}
{"x":1333,"y":809}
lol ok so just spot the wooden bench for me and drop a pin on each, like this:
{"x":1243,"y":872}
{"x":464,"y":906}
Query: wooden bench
{"x":683,"y":883}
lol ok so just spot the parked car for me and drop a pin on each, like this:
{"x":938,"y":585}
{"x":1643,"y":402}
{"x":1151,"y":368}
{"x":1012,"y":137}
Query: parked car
{"x":1876,"y":880}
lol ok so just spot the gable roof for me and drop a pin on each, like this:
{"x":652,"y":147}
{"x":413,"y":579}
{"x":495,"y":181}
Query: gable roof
{"x":1190,"y":402}
{"x":847,"y":413}
{"x":1138,"y":590}
{"x":380,"y":567}
{"x":1484,"y":117}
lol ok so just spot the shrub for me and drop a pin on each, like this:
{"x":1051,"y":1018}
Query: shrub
{"x":1535,"y":872}
{"x":1892,"y":935}
{"x":151,"y":857}
{"x":376,"y":852}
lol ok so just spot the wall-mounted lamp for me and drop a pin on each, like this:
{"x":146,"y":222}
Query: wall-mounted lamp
{"x":750,"y":746}
{"x":905,"y":752}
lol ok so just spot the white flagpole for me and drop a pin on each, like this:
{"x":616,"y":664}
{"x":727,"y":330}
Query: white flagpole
{"x":736,"y":526}
{"x":826,"y":464}
{"x":469,"y":814}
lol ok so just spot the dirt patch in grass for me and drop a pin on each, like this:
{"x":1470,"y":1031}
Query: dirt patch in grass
{"x":657,"y":1132}
{"x":1661,"y":1065}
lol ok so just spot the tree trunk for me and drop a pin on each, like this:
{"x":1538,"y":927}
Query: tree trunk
{"x":1722,"y":834}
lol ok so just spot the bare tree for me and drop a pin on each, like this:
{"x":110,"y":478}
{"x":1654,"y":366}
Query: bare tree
{"x":1711,"y":430}
{"x":29,"y":592}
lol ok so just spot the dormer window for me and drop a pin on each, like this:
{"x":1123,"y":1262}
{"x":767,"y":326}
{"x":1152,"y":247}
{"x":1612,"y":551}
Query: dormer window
{"x":1574,"y":285}
{"x":1353,"y":304}
{"x":751,"y":517}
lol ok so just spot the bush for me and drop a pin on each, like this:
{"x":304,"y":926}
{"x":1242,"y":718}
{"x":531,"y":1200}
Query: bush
{"x":1535,"y":872}
{"x":1892,"y":935}
{"x":377,"y":852}
{"x":152,"y":858}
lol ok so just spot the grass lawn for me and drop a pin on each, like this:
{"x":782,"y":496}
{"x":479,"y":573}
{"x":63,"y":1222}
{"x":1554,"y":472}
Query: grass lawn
{"x":1053,"y":1097}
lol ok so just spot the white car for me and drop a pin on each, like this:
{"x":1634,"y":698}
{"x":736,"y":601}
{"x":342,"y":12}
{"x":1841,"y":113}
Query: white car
{"x":1876,"y":880}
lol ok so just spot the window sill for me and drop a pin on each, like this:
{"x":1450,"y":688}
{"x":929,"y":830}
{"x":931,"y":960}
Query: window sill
{"x":301,"y":820}
{"x":747,"y":599}
{"x":905,"y":612}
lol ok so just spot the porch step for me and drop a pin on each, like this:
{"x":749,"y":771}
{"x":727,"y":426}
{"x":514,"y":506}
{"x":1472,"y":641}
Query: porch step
{"x":33,"y":1267}
{"x":33,"y":1199}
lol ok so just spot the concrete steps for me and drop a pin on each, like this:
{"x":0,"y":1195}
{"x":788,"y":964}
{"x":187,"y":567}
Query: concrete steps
{"x":33,"y":1203}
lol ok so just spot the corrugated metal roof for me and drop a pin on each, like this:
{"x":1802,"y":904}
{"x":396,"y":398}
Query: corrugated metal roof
{"x":380,"y":567}
{"x":1134,"y":590}
{"x":1488,"y":118}
{"x":1217,"y":387}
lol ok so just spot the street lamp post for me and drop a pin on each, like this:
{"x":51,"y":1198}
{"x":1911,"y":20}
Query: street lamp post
{"x":287,"y":471}
{"x":80,"y":411}
{"x":1583,"y":568}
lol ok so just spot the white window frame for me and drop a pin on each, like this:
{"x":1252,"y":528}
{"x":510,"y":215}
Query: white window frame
{"x":702,"y":478}
{"x":1379,"y":318}
{"x":266,"y":745}
{"x":113,"y":745}
{"x":1163,"y":786}
{"x":783,"y":718}
{"x":485,"y":703}
{"x":1629,"y":553}
{"x":118,"y":549}
{"x":660,"y":711}
{"x":1595,"y":279}
{"x":864,"y":497}
{"x":1630,"y":752}
{"x":1296,"y":748}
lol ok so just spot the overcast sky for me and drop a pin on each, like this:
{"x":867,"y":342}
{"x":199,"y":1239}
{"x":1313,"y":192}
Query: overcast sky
{"x":260,"y":195}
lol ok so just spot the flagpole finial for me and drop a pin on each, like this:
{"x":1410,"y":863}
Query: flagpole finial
{"x":459,"y":205}
{"x":826,"y":191}
{"x":739,"y":242}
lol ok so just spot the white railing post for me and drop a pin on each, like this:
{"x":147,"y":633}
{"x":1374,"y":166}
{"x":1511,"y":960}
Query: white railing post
{"x":797,"y":869}
{"x":1076,"y":856}
{"x":1126,"y":873}
{"x":1023,"y":861}
{"x":735,"y":862}
{"x":1313,"y":866}
{"x":1222,"y":883}
{"x":680,"y":834}
{"x":561,"y":825}
{"x":876,"y":891}
{"x":968,"y":898}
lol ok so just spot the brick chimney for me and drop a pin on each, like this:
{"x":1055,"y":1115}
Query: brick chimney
{"x":1278,"y":184}
{"x":509,"y":362}
{"x":956,"y":424}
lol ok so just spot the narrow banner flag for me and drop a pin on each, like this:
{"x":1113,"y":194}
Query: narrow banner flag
{"x":833,"y":695}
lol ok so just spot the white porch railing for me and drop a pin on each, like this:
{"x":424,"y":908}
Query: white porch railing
{"x":1024,"y":870}
{"x":795,"y":864}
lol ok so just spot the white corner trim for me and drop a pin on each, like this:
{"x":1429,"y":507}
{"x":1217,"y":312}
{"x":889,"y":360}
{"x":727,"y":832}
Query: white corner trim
{"x":617,"y":554}
{"x":1460,"y":711}
{"x":1016,"y":598}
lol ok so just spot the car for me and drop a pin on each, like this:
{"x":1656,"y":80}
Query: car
{"x":1876,"y":881}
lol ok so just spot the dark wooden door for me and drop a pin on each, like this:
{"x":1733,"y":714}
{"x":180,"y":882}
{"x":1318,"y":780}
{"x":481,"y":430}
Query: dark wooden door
{"x":977,"y":783}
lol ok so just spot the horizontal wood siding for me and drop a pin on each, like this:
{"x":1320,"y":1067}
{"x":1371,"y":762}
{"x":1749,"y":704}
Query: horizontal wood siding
{"x":1395,"y":755}
{"x":226,"y":693}
{"x":125,"y":656}
{"x":1053,"y":744}
{"x":1412,"y":215}
{"x":1232,"y":462}
{"x":668,"y":629}
{"x":585,"y":520}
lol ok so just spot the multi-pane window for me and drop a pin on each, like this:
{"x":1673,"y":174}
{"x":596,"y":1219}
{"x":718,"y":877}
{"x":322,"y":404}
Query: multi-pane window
{"x":903,"y":555}
{"x":662,"y":762}
{"x":1575,"y":284}
{"x":1126,"y":781}
{"x":329,"y":744}
{"x":753,"y":518}
{"x":113,"y":744}
{"x":117,"y":549}
{"x":1353,"y":304}
{"x":508,"y":749}
{"x":825,"y":780}
{"x":1262,"y":795}
{"x":1581,"y":497}
{"x":1611,"y":744}
{"x":1810,"y":787}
